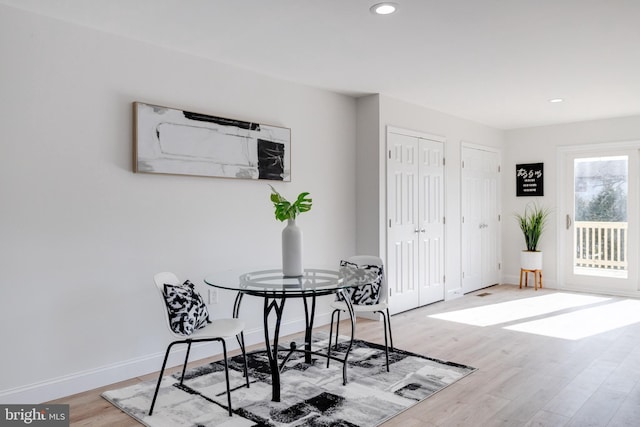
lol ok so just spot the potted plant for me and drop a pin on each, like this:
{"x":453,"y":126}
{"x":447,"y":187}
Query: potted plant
{"x":532,"y":223}
{"x":286,"y":210}
{"x":291,"y":234}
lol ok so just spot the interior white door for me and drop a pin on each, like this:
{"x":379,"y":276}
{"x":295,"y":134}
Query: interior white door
{"x":431,"y":214}
{"x":415,"y":221}
{"x":480,"y":230}
{"x":402,"y":221}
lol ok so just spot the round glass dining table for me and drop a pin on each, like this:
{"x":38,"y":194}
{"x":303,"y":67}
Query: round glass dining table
{"x":276,"y":288}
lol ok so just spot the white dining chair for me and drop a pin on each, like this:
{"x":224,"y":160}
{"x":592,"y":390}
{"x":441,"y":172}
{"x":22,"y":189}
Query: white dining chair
{"x":217,"y":330}
{"x":381,"y":306}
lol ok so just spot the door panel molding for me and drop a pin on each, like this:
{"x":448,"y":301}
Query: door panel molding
{"x":415,"y":218}
{"x":480,"y":205}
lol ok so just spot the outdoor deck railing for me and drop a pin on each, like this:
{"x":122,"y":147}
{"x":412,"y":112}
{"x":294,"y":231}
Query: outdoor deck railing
{"x":601,"y":245}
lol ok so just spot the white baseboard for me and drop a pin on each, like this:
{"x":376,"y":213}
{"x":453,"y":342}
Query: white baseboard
{"x":454,"y":294}
{"x":78,"y":382}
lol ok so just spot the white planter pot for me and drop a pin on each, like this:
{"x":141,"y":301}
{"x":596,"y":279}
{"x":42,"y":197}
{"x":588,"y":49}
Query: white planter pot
{"x":292,"y":250}
{"x":530,"y":260}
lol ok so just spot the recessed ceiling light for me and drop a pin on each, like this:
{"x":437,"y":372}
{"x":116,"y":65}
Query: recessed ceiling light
{"x":385,"y":8}
{"x":556,"y":100}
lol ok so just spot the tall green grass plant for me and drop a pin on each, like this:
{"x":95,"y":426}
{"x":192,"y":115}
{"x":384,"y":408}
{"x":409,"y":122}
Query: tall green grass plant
{"x":532,"y":223}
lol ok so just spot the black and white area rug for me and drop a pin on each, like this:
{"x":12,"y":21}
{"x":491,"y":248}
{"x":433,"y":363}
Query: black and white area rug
{"x":311,"y":395}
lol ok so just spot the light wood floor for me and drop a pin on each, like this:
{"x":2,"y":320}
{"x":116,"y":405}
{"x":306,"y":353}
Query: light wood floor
{"x":523,"y":379}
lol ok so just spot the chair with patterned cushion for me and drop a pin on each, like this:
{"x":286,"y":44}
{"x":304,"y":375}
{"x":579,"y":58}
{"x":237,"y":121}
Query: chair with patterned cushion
{"x":369,"y":297}
{"x":188,"y":321}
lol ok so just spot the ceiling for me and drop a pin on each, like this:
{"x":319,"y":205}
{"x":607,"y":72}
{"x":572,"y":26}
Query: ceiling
{"x":496,"y":62}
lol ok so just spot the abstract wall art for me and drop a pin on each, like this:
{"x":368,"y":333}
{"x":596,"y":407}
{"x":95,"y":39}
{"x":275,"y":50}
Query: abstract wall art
{"x":171,"y":141}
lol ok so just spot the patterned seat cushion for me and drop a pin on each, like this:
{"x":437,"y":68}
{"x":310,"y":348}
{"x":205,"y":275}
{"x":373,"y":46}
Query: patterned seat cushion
{"x":187,"y":310}
{"x":367,"y":292}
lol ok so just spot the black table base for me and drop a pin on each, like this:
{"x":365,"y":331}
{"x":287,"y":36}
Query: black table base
{"x":274,"y":303}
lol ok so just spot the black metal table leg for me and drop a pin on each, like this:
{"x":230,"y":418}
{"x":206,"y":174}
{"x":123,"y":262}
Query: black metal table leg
{"x":308,"y":317}
{"x":272,"y":353}
{"x":236,"y":304}
{"x":240,"y":337}
{"x":352,"y":317}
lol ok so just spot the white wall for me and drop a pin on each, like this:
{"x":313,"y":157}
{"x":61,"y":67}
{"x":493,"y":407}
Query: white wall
{"x":81,"y":235}
{"x":368,"y":175}
{"x":540,"y":144}
{"x":371,"y":147}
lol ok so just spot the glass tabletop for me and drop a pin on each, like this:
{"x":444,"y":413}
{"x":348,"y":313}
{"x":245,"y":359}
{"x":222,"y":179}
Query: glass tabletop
{"x":318,"y":281}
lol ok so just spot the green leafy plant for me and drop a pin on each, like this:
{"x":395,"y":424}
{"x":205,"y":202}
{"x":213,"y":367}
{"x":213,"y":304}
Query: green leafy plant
{"x":532,"y":223}
{"x":286,"y":210}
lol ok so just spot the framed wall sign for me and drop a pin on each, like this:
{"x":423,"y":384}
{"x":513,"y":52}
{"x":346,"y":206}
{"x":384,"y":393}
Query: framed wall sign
{"x":171,"y":141}
{"x":530,"y":179}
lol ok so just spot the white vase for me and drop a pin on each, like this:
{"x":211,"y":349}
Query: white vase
{"x":292,"y":250}
{"x":531,"y":260}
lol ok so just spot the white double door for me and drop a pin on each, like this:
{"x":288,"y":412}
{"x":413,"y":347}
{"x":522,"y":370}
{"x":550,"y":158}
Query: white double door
{"x":480,"y":205}
{"x":415,"y":220}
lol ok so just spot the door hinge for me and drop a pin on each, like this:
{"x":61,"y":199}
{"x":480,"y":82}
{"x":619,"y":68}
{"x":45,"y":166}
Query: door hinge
{"x":499,"y":266}
{"x":389,"y":291}
{"x":499,"y":218}
{"x":498,"y":168}
{"x":463,"y":220}
{"x":444,"y":279}
{"x":463,"y":274}
{"x":389,"y":154}
{"x":444,"y":220}
{"x":463,"y":163}
{"x":389,"y":223}
{"x":444,"y":161}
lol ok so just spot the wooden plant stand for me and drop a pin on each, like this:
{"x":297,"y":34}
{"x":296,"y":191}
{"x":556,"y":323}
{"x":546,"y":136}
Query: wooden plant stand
{"x":537,"y":277}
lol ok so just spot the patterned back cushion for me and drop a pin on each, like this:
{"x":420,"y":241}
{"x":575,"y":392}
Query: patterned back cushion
{"x":187,"y":310}
{"x":368,"y":292}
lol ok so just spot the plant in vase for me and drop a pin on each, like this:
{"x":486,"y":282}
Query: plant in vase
{"x":291,"y":234}
{"x":532,"y":223}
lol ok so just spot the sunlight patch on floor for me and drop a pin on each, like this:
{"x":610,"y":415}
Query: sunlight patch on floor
{"x":510,"y":311}
{"x":585,"y":322}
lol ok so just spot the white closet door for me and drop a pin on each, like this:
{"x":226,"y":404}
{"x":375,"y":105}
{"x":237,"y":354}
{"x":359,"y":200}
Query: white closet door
{"x":402,"y":221}
{"x":480,"y":231}
{"x":490,"y":248}
{"x":415,"y":221}
{"x":431,"y":213}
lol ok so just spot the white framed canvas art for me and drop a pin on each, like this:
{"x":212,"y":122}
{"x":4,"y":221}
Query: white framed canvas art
{"x":172,"y":141}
